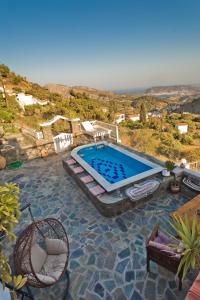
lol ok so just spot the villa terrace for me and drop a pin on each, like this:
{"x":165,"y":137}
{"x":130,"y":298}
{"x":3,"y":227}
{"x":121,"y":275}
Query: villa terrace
{"x":107,"y":255}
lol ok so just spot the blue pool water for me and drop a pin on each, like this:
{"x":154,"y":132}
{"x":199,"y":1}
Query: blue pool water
{"x":112,"y":164}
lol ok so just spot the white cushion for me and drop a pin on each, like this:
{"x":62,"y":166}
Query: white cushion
{"x":54,"y":265}
{"x":55,"y":246}
{"x":38,"y":257}
{"x":43,"y":278}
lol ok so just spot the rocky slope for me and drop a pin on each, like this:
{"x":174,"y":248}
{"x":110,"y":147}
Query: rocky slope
{"x":192,"y":107}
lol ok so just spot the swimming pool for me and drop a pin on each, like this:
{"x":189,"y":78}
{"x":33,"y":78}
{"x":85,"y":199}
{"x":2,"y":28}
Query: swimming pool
{"x":112,"y":166}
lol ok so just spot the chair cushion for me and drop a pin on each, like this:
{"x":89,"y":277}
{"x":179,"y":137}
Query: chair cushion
{"x":160,"y":246}
{"x":43,"y":278}
{"x":38,"y":257}
{"x":55,"y":246}
{"x":54,"y":265}
{"x":162,"y":238}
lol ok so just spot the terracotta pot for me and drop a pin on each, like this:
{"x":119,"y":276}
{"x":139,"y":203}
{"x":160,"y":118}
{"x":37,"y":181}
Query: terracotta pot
{"x":2,"y":162}
{"x":44,"y":153}
{"x":175,"y":187}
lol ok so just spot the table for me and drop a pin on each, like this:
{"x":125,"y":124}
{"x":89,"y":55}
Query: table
{"x":189,"y":209}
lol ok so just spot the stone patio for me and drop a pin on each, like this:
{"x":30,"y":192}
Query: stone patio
{"x":107,"y":255}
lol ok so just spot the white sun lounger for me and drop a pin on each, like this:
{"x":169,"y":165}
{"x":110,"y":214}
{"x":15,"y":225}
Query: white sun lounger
{"x":192,"y":183}
{"x":142,"y":190}
{"x":95,"y":131}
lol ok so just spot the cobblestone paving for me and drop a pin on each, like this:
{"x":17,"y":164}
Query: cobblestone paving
{"x":107,"y":256}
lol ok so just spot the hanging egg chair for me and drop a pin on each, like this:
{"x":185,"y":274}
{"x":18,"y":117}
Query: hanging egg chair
{"x":41,"y":252}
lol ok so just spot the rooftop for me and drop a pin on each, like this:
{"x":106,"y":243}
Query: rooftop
{"x":107,"y":255}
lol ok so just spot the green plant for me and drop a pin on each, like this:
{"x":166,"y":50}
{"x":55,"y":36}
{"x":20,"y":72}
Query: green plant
{"x":190,"y":243}
{"x":9,"y":214}
{"x":170,"y":165}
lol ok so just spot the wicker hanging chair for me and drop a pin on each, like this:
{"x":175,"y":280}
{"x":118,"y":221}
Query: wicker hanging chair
{"x":41,"y":252}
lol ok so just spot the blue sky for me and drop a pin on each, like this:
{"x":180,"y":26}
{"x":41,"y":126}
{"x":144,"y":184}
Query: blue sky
{"x":108,"y":44}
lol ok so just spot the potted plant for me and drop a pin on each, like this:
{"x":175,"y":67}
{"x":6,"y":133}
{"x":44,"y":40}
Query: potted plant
{"x":188,"y":245}
{"x":170,"y":165}
{"x":9,"y":214}
{"x":175,"y":186}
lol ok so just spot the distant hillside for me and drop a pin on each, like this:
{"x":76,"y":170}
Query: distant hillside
{"x":68,"y":92}
{"x":176,"y":90}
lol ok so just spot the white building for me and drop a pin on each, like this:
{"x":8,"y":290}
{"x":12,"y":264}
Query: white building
{"x":25,"y":100}
{"x":134,"y":117}
{"x":119,"y":118}
{"x":182,"y":127}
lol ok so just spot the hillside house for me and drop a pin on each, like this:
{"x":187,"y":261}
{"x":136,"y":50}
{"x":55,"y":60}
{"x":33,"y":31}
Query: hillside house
{"x":182,"y":127}
{"x":119,"y":117}
{"x":25,"y":100}
{"x":133,"y":117}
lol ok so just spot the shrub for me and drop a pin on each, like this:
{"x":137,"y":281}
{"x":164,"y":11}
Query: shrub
{"x":6,"y":115}
{"x":186,"y":139}
{"x":169,"y":146}
{"x":170,"y":165}
{"x":17,"y":79}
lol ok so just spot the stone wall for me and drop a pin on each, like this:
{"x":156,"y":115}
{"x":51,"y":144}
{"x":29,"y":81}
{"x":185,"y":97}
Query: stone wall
{"x":28,"y":152}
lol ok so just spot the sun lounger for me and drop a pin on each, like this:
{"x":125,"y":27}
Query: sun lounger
{"x":142,"y":190}
{"x":192,"y":182}
{"x":95,"y":131}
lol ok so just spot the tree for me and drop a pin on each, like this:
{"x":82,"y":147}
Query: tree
{"x":16,"y":79}
{"x":143,"y":117}
{"x":9,"y":214}
{"x":4,"y":70}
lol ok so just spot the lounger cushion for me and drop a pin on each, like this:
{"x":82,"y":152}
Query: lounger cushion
{"x":38,"y":257}
{"x":55,"y":246}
